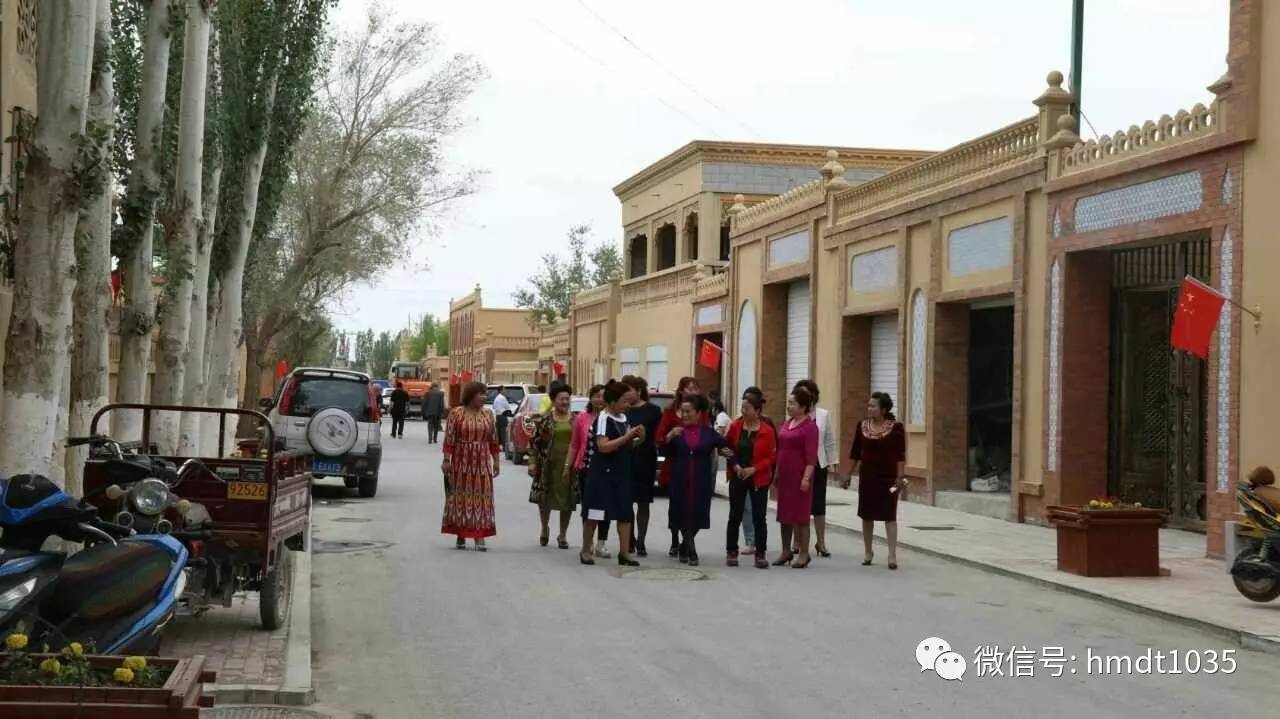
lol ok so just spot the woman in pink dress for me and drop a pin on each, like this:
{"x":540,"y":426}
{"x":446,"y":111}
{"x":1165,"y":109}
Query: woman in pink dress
{"x":797,"y":459}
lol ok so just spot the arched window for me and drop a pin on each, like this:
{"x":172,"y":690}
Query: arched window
{"x":666,"y":246}
{"x":919,"y":352}
{"x":691,"y":237}
{"x":746,"y":349}
{"x":637,"y":256}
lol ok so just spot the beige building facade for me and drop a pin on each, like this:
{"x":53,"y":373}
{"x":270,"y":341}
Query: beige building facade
{"x":491,"y":344}
{"x":1014,"y":296}
{"x":676,"y":237}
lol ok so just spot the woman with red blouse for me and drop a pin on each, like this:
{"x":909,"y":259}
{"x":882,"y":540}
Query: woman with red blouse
{"x":670,"y":420}
{"x":879,"y":458}
{"x":752,"y":441}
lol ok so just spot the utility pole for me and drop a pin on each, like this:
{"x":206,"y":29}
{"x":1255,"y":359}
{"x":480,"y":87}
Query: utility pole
{"x":1077,"y":58}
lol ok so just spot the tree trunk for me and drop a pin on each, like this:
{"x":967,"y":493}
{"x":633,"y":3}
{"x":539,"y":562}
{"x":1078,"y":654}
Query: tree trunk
{"x":175,"y":315}
{"x":207,"y":442}
{"x":36,"y":352}
{"x":90,"y":362}
{"x":137,"y":315}
{"x":195,"y":391}
{"x":229,"y":333}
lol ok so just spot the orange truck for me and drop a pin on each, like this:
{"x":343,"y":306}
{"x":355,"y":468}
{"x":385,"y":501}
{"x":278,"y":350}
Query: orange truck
{"x":412,"y":376}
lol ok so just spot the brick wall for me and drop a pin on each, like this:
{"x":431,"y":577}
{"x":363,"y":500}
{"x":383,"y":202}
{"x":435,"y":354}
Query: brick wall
{"x":948,"y":420}
{"x":1085,"y":367}
{"x":855,"y":375}
{"x":772,"y":369}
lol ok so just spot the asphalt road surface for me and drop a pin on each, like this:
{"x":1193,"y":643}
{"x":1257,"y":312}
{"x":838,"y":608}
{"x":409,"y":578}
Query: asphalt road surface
{"x":407,"y":626}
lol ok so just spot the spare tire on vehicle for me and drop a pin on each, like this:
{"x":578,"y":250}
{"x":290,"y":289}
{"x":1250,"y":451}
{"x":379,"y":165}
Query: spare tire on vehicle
{"x":332,"y":432}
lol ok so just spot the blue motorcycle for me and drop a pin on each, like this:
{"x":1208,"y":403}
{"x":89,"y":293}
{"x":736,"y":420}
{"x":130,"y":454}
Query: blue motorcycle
{"x":115,"y":596}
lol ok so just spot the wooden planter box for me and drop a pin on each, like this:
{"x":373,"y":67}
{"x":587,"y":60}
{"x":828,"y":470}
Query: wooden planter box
{"x":1108,"y":542}
{"x":180,"y":698}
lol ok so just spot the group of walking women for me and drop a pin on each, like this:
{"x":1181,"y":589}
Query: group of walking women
{"x":605,"y":459}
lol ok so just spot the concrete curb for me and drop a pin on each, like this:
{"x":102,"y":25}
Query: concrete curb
{"x":297,"y":689}
{"x":1243,"y":639}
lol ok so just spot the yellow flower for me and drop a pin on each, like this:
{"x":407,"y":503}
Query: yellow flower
{"x":14,"y":642}
{"x":52,"y":667}
{"x":135,"y":663}
{"x":124,"y":675}
{"x":74,"y":649}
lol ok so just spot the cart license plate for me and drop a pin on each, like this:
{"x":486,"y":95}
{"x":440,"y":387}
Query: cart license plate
{"x":334,"y":467}
{"x":252,"y":491}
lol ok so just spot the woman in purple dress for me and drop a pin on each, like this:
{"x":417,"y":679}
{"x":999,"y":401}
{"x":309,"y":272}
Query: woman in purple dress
{"x":879,"y":458}
{"x":797,"y":460}
{"x":691,"y":451}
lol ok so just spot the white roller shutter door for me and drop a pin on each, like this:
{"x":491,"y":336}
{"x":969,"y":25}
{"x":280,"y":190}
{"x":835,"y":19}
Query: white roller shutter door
{"x":884,"y":355}
{"x":797,"y":332}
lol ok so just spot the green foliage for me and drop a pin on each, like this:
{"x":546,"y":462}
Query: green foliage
{"x":428,"y":332}
{"x":363,"y":349}
{"x":384,"y":351}
{"x":551,"y":291}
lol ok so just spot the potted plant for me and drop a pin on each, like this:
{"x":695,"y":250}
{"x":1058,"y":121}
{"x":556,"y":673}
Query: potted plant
{"x":1108,"y":537}
{"x":75,"y":683}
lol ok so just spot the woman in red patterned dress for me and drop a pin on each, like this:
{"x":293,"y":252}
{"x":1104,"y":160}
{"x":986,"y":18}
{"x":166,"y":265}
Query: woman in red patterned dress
{"x":470,"y":466}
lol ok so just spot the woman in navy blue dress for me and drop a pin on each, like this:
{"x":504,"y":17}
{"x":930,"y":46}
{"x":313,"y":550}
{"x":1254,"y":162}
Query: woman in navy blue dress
{"x":691,"y":449}
{"x":609,"y":466}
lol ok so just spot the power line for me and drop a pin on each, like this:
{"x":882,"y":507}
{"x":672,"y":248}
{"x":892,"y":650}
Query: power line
{"x":666,"y":69}
{"x":577,"y":48}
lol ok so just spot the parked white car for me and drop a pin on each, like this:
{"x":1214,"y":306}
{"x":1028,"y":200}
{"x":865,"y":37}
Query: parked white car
{"x":335,"y":415}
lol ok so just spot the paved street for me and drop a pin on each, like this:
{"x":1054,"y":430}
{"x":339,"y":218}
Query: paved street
{"x":412,"y":628}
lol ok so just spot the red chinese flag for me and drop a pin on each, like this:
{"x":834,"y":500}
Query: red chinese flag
{"x":282,"y":369}
{"x":709,"y":355}
{"x":115,"y":287}
{"x":466,"y":375}
{"x":557,"y":368}
{"x":1199,"y":306}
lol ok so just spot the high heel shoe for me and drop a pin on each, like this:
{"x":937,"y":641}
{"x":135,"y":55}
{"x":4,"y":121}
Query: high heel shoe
{"x":801,"y":565}
{"x":461,"y":544}
{"x":693,"y":555}
{"x":783,"y":561}
{"x":586,"y":559}
{"x":893,"y":565}
{"x":625,"y":561}
{"x":641,"y":550}
{"x":544,"y":539}
{"x":562,"y":543}
{"x":866,"y":562}
{"x":822,"y":552}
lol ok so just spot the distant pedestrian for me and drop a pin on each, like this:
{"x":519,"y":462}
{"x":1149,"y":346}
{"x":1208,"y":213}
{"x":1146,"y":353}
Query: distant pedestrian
{"x":687,"y":386}
{"x":828,"y":463}
{"x":645,"y":458}
{"x":753,"y":442}
{"x":582,"y":425}
{"x":608,"y":495}
{"x":433,"y":410}
{"x":797,"y":460}
{"x":879,"y":457}
{"x":502,"y":415}
{"x":555,"y":488}
{"x":399,"y":408}
{"x":692,"y":451}
{"x":471,"y":462}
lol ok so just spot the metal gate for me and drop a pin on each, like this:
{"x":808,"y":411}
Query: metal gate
{"x":1157,"y":393}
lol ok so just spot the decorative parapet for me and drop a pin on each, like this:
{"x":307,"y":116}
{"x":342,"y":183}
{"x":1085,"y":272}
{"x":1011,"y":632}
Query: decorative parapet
{"x":775,"y":208}
{"x":1181,"y":128}
{"x":709,"y":288}
{"x":662,"y":288}
{"x":593,"y":295}
{"x":992,"y":151}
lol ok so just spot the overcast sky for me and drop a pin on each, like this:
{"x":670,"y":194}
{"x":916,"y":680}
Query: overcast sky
{"x":570,"y":108}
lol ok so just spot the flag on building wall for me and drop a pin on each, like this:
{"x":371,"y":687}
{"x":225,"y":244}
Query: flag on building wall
{"x":709,"y":355}
{"x":282,"y":369}
{"x":1199,"y":307}
{"x":557,"y":368}
{"x":467,"y":376}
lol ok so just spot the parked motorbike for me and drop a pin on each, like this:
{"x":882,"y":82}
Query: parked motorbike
{"x":1256,"y":569}
{"x":115,"y":596}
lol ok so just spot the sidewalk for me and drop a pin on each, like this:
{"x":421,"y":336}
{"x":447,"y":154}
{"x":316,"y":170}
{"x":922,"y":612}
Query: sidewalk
{"x":1197,"y":592}
{"x":254,"y":666}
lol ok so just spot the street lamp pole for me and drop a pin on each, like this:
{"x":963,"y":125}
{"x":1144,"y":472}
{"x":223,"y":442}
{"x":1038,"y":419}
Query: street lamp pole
{"x":1077,"y":56}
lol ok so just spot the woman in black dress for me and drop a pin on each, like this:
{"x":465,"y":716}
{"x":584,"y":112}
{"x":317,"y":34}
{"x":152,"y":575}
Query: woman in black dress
{"x":608,"y":496}
{"x":644,"y":460}
{"x":879,"y":458}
